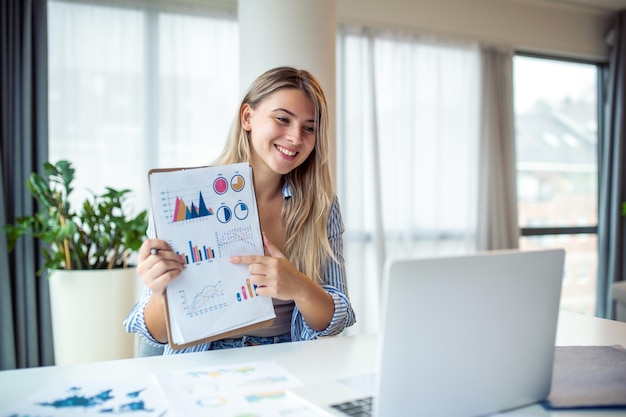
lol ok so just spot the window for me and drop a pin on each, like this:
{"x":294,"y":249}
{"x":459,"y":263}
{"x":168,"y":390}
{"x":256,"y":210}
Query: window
{"x":134,"y":88}
{"x":556,"y":106}
{"x":408,"y":129}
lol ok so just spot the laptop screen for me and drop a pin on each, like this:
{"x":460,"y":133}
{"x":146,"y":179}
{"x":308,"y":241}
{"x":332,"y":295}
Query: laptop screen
{"x":468,"y":335}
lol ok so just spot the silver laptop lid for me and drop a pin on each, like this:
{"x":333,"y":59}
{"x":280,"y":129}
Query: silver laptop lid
{"x":468,"y":335}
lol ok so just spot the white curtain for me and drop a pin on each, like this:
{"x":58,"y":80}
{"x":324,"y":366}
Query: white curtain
{"x":408,"y":143}
{"x":134,"y":88}
{"x":497,"y":223}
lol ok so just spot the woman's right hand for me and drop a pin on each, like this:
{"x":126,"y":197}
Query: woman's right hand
{"x":158,"y":265}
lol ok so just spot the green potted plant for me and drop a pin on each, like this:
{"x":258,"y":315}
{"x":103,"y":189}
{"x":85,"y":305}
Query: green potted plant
{"x":99,"y":236}
{"x":86,"y":254}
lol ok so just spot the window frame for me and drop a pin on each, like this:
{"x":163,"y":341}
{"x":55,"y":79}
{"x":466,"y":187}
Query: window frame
{"x":600,"y":69}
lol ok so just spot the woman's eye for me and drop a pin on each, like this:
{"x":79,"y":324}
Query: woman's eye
{"x":282,"y":119}
{"x":309,"y":129}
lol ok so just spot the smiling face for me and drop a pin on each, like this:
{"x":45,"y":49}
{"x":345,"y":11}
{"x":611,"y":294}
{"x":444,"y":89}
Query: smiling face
{"x":282,"y":130}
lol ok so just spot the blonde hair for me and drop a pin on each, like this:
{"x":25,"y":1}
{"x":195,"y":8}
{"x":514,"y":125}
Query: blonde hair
{"x":305,"y":214}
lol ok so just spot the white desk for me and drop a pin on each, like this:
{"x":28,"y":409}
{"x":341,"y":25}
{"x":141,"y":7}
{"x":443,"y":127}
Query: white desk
{"x":312,"y":362}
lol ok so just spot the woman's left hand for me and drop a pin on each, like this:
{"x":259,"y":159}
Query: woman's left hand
{"x":273,"y":274}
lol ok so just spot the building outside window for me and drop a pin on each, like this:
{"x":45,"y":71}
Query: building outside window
{"x":556,"y":116}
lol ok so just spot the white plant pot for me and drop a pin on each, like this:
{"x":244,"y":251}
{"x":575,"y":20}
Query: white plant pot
{"x":88,"y":309}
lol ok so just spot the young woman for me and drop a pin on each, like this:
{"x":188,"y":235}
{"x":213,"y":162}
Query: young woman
{"x":281,"y":130}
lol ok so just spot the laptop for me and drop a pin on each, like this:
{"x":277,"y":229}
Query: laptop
{"x":465,"y":336}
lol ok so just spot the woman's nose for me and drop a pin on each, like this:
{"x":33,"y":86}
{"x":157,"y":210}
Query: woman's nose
{"x":294,"y":134}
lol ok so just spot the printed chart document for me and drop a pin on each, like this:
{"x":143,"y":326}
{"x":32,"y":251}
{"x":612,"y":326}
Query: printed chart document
{"x":92,"y":397}
{"x":208,"y":214}
{"x":259,"y":389}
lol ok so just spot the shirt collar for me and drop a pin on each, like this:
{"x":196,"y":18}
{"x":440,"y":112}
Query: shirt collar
{"x":286,"y":190}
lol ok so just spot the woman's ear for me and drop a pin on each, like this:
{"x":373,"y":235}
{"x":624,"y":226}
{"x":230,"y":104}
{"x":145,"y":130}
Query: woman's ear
{"x":245,"y":114}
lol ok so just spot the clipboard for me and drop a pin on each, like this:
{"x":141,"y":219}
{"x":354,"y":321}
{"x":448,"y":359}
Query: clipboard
{"x":206,"y":214}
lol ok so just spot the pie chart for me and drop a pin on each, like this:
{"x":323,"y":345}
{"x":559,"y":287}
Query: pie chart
{"x":224,"y":214}
{"x":220,"y":185}
{"x":241,"y":211}
{"x":237,"y":183}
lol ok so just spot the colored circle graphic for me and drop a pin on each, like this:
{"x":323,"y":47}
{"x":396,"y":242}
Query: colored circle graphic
{"x":237,"y":182}
{"x":224,"y":214}
{"x":220,"y":185}
{"x":241,"y":211}
{"x":211,"y":402}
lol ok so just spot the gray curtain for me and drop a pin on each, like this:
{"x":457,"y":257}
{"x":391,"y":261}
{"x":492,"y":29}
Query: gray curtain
{"x":25,"y":330}
{"x":612,"y":183}
{"x":497,"y":207}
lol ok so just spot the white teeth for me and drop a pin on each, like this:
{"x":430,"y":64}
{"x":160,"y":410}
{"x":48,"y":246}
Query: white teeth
{"x":285,"y":151}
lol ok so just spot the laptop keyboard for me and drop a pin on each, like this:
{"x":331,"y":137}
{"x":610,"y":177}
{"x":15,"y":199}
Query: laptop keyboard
{"x":361,"y":407}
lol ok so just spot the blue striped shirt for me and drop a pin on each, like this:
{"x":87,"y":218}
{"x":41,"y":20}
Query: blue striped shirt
{"x":334,"y":282}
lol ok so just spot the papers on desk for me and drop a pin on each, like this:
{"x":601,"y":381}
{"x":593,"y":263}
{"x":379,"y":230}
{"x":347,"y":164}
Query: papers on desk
{"x":88,"y":398}
{"x":257,"y":389}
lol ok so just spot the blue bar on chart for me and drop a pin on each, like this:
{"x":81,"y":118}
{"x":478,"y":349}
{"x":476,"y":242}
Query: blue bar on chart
{"x":197,"y":255}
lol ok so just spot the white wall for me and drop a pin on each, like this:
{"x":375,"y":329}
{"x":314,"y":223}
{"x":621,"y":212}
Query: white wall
{"x":529,"y":25}
{"x":300,"y":33}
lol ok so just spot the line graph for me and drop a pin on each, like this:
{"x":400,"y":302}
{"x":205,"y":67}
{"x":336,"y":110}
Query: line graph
{"x":210,"y":298}
{"x":236,"y":241}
